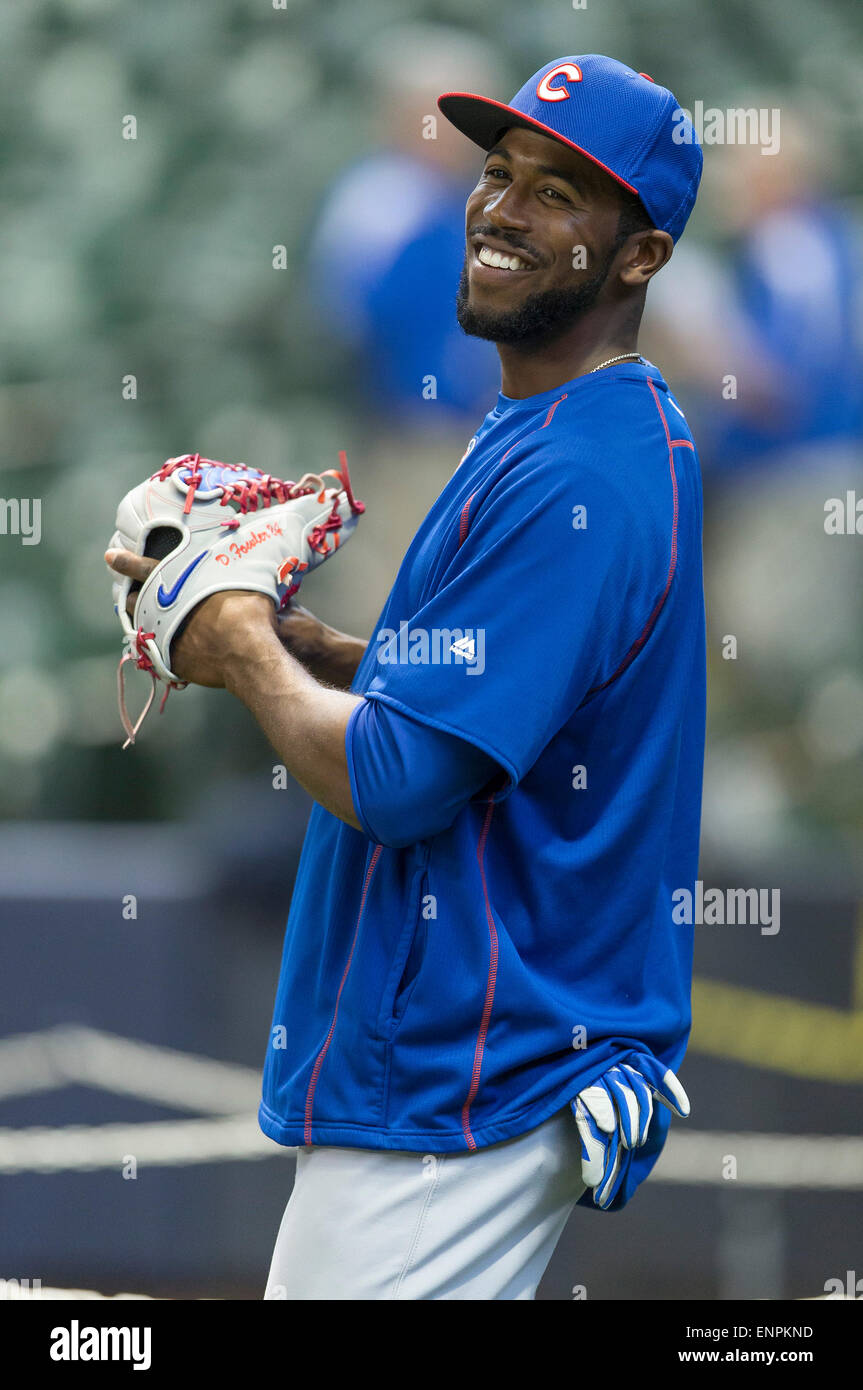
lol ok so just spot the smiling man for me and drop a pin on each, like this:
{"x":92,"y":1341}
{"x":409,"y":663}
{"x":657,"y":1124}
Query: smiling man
{"x":483,"y":991}
{"x":521,"y":285}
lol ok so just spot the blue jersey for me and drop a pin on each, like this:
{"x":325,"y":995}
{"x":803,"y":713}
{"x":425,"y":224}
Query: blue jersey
{"x":454,"y":991}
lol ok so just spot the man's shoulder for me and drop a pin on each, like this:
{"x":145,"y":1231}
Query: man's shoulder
{"x":612,"y":431}
{"x":612,"y":408}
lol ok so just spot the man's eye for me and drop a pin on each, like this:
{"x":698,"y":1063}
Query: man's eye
{"x":496,"y":170}
{"x":556,"y":194}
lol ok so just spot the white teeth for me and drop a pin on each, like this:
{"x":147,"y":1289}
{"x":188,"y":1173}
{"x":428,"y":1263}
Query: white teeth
{"x":499,"y":262}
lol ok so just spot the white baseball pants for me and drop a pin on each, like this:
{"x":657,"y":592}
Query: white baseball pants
{"x":367,"y":1224}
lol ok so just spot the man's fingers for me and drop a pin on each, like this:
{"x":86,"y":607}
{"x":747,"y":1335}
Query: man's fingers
{"x":136,"y":567}
{"x":672,"y":1094}
{"x":593,"y":1144}
{"x":634,"y":1104}
{"x":664,"y":1084}
{"x":596,"y":1099}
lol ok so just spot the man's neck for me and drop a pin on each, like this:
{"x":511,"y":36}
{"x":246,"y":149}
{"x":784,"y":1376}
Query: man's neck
{"x":532,"y":369}
{"x":530,"y":373}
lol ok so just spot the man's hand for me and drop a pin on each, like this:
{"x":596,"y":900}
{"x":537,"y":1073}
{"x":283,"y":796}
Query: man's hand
{"x":206,"y":644}
{"x":231,"y":641}
{"x":221,"y":632}
{"x":613,"y":1118}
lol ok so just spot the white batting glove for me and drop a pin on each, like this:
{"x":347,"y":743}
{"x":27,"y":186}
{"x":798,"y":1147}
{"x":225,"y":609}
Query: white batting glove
{"x":613,"y":1118}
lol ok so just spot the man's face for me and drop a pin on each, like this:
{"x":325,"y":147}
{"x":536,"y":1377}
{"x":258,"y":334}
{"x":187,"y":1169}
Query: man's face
{"x":558,"y":213}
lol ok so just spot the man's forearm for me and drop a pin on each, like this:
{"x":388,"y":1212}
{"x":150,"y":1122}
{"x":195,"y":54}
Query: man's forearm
{"x":304,"y":720}
{"x":329,"y":655}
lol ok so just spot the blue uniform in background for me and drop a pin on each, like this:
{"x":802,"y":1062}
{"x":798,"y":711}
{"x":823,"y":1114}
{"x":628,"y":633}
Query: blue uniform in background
{"x":797,"y":282}
{"x":527,"y":767}
{"x":390,"y":234}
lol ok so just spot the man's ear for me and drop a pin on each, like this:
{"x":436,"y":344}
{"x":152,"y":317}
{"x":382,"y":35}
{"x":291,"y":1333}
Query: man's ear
{"x":643,"y":254}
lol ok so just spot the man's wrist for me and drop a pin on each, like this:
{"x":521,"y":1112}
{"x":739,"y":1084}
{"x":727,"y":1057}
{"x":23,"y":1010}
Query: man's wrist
{"x":330,"y":656}
{"x":259,"y":662}
{"x":302,"y":634}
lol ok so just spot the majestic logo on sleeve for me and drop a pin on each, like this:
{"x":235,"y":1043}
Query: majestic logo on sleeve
{"x":570,"y":71}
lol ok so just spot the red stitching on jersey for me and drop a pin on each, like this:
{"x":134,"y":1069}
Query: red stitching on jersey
{"x":464,"y":521}
{"x":547,"y":421}
{"x":310,"y":1096}
{"x":682,"y":444}
{"x":552,"y":408}
{"x":672,"y":564}
{"x":490,"y":984}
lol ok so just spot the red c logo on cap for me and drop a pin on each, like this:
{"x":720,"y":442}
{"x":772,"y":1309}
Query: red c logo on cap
{"x":546,"y":92}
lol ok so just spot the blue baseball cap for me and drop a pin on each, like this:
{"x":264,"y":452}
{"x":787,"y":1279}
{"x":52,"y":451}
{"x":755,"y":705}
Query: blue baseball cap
{"x":621,"y":120}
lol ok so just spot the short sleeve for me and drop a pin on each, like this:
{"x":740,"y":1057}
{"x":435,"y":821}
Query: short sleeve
{"x":408,"y":780}
{"x":540,"y":605}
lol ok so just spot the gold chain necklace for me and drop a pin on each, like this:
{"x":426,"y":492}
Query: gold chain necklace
{"x":624,"y":357}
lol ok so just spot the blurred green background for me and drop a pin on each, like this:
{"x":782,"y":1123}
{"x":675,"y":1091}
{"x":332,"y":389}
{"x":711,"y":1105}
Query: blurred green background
{"x":154,"y":257}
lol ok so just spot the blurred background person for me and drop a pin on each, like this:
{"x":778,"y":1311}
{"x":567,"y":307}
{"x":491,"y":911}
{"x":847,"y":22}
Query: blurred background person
{"x":386,"y":251}
{"x":779,"y":307}
{"x":761,"y":333}
{"x":388,"y":246}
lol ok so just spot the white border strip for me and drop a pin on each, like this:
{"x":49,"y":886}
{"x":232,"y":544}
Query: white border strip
{"x":786,"y":1161}
{"x":174,"y":1143}
{"x":227,"y":1095}
{"x":57,"y":1057}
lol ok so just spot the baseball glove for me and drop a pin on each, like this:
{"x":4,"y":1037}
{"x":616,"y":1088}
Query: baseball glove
{"x":214,"y":526}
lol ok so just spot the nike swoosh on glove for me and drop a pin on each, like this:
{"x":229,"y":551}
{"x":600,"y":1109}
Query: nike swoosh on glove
{"x":613,"y":1117}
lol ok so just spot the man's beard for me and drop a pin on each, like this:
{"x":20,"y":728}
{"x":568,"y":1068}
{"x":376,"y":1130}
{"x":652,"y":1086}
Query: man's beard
{"x":539,"y":319}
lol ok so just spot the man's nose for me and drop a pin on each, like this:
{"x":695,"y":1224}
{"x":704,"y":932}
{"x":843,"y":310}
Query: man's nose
{"x":507,"y":207}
